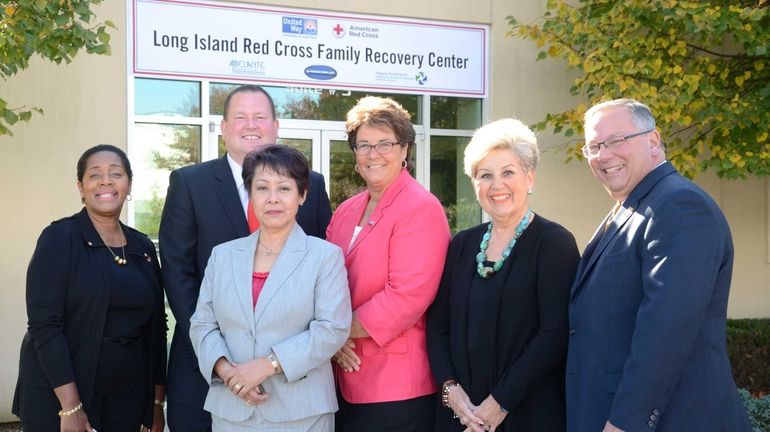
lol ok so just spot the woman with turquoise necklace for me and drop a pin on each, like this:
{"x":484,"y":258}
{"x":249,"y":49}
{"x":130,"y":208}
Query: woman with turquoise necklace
{"x":497,"y":331}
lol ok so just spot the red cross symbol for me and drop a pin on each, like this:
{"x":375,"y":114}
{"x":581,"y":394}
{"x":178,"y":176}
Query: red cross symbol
{"x":338,"y":29}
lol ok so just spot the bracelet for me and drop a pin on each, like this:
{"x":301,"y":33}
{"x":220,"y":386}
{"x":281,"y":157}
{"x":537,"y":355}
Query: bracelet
{"x":69,"y":412}
{"x":445,"y":389}
{"x":274,"y":362}
{"x":160,"y":403}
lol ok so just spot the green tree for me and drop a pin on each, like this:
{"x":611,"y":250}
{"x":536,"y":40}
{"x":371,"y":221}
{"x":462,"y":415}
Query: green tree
{"x":56,"y":30}
{"x":703,"y":66}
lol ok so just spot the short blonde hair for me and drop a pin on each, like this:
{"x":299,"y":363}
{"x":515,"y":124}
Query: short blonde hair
{"x":508,"y":133}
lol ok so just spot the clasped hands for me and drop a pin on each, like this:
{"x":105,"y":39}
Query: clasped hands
{"x":485,"y":417}
{"x":245,"y":379}
{"x":347,"y":358}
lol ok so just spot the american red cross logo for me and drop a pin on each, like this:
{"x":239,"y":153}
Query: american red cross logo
{"x":338,"y":29}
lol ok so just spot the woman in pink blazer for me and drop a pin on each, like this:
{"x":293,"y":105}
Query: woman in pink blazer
{"x":394,"y":236}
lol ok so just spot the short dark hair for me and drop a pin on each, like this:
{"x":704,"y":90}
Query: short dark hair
{"x":282,"y":159}
{"x":249,"y":88}
{"x":81,"y":168}
{"x":375,"y":111}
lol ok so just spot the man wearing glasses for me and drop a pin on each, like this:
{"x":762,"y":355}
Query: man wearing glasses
{"x":649,"y":302}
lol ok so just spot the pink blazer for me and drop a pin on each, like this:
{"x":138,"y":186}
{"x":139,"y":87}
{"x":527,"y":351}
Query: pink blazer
{"x":394,"y":267}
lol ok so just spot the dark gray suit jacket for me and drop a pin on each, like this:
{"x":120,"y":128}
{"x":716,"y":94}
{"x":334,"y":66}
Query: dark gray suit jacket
{"x":647,"y":316}
{"x":203,"y":210}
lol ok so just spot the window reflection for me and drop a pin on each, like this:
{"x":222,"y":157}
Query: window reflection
{"x":450,"y":184}
{"x":313,"y":103}
{"x":455,"y":113}
{"x":157,"y":150}
{"x":167,"y":97}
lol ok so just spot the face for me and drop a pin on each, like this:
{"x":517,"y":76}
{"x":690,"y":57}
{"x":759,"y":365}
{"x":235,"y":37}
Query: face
{"x":379,"y":170}
{"x":105,"y":184}
{"x":275,"y":198}
{"x":621,"y":169}
{"x":249,"y":124}
{"x":501,"y":184}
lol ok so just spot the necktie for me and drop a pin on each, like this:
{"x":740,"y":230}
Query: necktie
{"x":251,"y":218}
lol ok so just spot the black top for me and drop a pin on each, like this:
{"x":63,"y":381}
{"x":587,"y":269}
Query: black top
{"x":506,"y":336}
{"x":131,"y":301}
{"x":69,"y":280}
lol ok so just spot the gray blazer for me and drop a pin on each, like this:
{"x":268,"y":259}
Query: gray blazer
{"x":303,"y":314}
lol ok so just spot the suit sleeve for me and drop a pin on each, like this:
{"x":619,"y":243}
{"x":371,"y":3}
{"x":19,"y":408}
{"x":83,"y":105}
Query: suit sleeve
{"x":556,"y":262}
{"x":416,"y":254}
{"x":47,"y":277}
{"x":178,"y":244}
{"x":438,"y":319}
{"x":681,"y":256}
{"x":324,"y":209}
{"x":161,"y":326}
{"x":206,"y":339}
{"x":328,"y":330}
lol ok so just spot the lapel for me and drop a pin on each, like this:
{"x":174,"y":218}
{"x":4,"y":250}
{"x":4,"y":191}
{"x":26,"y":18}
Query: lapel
{"x":227,"y":193}
{"x":293,"y":252}
{"x":388,"y":196}
{"x":242,"y":266}
{"x":599,"y":242}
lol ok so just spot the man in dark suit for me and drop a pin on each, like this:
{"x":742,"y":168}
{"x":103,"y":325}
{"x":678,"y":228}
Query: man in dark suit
{"x":206,"y":205}
{"x":649,"y":303}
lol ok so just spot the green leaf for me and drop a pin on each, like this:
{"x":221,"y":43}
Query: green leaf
{"x":10,"y":117}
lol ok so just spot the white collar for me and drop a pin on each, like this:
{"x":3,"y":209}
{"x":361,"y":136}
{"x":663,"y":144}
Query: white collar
{"x":237,"y":171}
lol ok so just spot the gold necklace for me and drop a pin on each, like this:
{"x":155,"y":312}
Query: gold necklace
{"x":270,"y":251}
{"x":118,"y":259}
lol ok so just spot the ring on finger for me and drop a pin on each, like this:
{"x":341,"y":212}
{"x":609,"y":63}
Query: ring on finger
{"x":237,"y":387}
{"x":248,"y":402}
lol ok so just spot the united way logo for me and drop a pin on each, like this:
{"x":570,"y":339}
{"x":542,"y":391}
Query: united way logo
{"x":421,"y":78}
{"x":299,"y":26}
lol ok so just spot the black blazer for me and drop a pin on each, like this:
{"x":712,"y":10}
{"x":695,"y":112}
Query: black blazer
{"x":203,"y":210}
{"x":531,"y":341}
{"x":68,"y":291}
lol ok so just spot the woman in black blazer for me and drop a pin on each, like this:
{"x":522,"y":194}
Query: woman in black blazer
{"x":497,"y":331}
{"x":95,"y":348}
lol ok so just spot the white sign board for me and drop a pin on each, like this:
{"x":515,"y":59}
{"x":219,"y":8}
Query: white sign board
{"x":294,"y":47}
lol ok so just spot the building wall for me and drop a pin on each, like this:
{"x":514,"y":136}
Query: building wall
{"x":85,"y":104}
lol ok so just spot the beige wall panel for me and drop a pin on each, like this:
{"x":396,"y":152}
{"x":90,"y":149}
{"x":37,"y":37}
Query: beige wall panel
{"x":85,"y":104}
{"x":447,"y":10}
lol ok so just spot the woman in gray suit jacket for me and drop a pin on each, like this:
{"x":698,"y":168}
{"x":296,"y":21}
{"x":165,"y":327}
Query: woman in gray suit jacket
{"x":273,"y":308}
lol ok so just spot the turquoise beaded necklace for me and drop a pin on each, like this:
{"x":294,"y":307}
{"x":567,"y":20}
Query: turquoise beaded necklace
{"x":486,"y":271}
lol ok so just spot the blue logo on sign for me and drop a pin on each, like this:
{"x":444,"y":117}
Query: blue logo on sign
{"x":320,"y":72}
{"x":300,"y":26}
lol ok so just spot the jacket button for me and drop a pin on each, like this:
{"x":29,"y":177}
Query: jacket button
{"x":651,"y":424}
{"x":90,"y":244}
{"x":572,"y":332}
{"x":656,"y":412}
{"x":653,"y":417}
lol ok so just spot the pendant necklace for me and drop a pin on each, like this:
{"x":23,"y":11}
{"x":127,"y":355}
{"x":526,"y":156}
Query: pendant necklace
{"x":118,"y":260}
{"x":485,"y":271}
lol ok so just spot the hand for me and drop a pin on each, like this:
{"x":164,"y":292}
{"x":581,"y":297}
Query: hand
{"x":76,"y":422}
{"x":254,"y":397}
{"x":489,"y":412}
{"x":244,"y":377}
{"x":347,"y":358}
{"x":462,"y":407}
{"x":158,"y":419}
{"x":608,"y":427}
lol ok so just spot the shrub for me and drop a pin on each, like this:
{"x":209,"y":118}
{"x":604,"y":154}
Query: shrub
{"x":758,"y":409}
{"x":748,"y":346}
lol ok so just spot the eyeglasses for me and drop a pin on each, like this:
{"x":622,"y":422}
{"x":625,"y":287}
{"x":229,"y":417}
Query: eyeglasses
{"x":592,"y":150}
{"x":382,"y":147}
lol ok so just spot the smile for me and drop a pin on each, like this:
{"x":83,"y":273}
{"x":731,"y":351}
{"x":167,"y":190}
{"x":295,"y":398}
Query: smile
{"x":106,"y":195}
{"x":614,"y":169}
{"x":500,"y":197}
{"x":251,"y":137}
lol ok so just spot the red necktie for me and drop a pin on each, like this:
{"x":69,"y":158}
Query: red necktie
{"x":252,"y":218}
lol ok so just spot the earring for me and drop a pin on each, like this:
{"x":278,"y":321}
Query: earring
{"x":82,"y":200}
{"x":529,"y":191}
{"x":128,"y":197}
{"x":403,"y":163}
{"x":355,"y":168}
